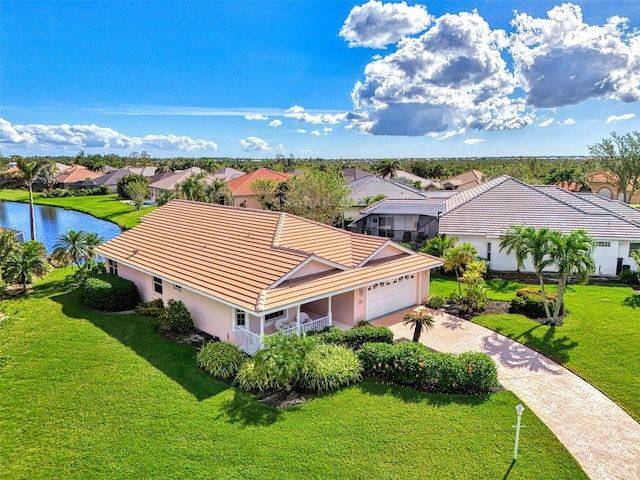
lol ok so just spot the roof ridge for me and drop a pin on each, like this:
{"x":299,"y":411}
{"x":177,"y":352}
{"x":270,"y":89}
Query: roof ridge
{"x":278,"y":231}
{"x":476,"y":191}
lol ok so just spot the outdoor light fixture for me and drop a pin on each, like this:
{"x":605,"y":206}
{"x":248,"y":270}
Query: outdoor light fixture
{"x":519,"y":409}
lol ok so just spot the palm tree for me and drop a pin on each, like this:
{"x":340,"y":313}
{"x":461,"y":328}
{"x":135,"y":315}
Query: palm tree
{"x":92,"y":240}
{"x":193,"y":188}
{"x":29,"y":259}
{"x":420,"y":320}
{"x":573,"y":255}
{"x":457,"y":258}
{"x":526,"y":241}
{"x":25,"y":176}
{"x":439,"y":244}
{"x":387,"y":168}
{"x":8,"y":243}
{"x":72,"y":245}
{"x":218,"y":188}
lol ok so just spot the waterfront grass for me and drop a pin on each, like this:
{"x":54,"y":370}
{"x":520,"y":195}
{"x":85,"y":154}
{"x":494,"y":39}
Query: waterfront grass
{"x":599,"y":338}
{"x":105,"y":207}
{"x":92,"y":395}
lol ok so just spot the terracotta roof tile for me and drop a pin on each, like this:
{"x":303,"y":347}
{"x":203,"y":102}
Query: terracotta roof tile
{"x":242,"y":185}
{"x":77,"y":173}
{"x":236,"y":254}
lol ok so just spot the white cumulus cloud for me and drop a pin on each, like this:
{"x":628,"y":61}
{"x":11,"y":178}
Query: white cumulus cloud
{"x":316,"y":133}
{"x":93,"y":136}
{"x":256,"y":116}
{"x":301,"y":130}
{"x":620,"y":118}
{"x":254,"y":144}
{"x":548,"y":122}
{"x":275,"y":123}
{"x":473,"y":141}
{"x":376,"y":24}
{"x":569,"y":121}
{"x":301,"y":115}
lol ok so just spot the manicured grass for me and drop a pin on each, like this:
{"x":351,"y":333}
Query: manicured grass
{"x":92,"y":395}
{"x":106,"y":207}
{"x":599,"y":339}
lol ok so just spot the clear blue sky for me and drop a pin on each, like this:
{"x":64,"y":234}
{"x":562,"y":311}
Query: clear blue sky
{"x":329,"y":79}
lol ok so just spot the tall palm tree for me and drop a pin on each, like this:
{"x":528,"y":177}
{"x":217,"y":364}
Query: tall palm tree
{"x":72,"y":245}
{"x":526,"y":241}
{"x":421,"y":320}
{"x":25,"y":176}
{"x":573,"y":255}
{"x":26,"y":261}
{"x":92,"y":240}
{"x":387,"y":168}
{"x":193,"y":188}
{"x":218,"y":188}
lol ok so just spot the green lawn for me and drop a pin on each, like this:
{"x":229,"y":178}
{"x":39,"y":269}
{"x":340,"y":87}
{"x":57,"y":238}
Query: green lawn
{"x":106,"y":207}
{"x":599,"y":339}
{"x":92,"y":395}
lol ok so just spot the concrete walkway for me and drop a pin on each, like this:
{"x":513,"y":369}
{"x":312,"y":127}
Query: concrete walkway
{"x":601,"y":436}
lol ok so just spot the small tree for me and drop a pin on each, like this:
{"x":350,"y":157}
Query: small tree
{"x":620,"y":157}
{"x":124,"y":190}
{"x":8,"y":244}
{"x":176,"y":317}
{"x":473,"y":278}
{"x":420,"y":320}
{"x":136,"y":192}
{"x":25,"y":262}
{"x":457,"y":258}
{"x":266,"y":190}
{"x":438,"y":245}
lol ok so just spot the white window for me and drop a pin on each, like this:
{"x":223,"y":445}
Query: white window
{"x":241,"y":318}
{"x":113,"y":267}
{"x":157,"y":285}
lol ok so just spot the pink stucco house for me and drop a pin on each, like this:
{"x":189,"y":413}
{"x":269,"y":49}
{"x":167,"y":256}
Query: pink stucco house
{"x":245,"y":274}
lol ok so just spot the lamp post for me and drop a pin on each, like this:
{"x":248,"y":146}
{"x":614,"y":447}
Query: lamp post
{"x":519,"y":409}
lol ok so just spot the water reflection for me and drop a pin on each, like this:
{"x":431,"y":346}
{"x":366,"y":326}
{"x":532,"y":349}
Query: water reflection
{"x":52,"y":221}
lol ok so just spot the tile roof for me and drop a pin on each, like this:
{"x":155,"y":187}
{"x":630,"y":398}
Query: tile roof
{"x":494,"y":206}
{"x":465,"y":180}
{"x":228,"y":173}
{"x":242,"y":185}
{"x":371,"y":185}
{"x":77,"y":173}
{"x":237,"y":255}
{"x":169,"y":181}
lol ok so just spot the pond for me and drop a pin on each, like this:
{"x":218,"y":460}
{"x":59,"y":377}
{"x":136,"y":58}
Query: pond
{"x":52,"y":221}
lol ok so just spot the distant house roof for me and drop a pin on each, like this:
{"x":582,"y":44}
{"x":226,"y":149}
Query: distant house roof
{"x":169,"y":181}
{"x":77,"y":173}
{"x":113,"y":176}
{"x":242,"y":185}
{"x":228,"y":173}
{"x":494,"y":206}
{"x":464,"y":181}
{"x":413,"y":178}
{"x":245,"y":256}
{"x":352,"y":174}
{"x":371,"y":185}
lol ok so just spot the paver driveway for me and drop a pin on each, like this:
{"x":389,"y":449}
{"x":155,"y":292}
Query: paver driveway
{"x":601,"y":436}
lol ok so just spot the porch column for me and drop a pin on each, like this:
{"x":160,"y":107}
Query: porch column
{"x":261,"y":326}
{"x":329,"y":313}
{"x":298,"y":319}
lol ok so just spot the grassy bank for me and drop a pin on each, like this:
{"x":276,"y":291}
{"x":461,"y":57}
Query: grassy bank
{"x":599,"y":339}
{"x":106,"y":207}
{"x":92,"y":395}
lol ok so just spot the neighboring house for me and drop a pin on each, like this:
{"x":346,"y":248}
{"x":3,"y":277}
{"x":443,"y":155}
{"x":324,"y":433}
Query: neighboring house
{"x":352,"y":174}
{"x":75,"y":176}
{"x":243,"y":195}
{"x":421,"y":182}
{"x":111,"y":179}
{"x":479,"y":216}
{"x":168,"y":181}
{"x":403,"y":220}
{"x":244,"y":273}
{"x":369,"y":186}
{"x":228,"y":173}
{"x":600,"y":183}
{"x":461,"y":182}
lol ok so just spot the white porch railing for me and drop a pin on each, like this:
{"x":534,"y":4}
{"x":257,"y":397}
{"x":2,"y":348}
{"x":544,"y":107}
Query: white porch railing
{"x":251,"y":342}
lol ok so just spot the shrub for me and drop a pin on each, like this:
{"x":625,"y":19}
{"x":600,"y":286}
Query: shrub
{"x":110,"y":293}
{"x":88,"y":270}
{"x":221,"y":359}
{"x":528,"y":302}
{"x":435,"y":301}
{"x":328,"y":367}
{"x":151,"y":309}
{"x":630,"y":277}
{"x":258,"y":375}
{"x":176,"y":317}
{"x":358,"y":336}
{"x":411,"y":364}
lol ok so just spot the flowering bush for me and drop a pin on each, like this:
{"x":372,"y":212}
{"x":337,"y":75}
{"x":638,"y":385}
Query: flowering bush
{"x":528,"y":302}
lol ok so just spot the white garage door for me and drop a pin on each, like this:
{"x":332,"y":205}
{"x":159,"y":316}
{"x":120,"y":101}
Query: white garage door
{"x":390,"y":295}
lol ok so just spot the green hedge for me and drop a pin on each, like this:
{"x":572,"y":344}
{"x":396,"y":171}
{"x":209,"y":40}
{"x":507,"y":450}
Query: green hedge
{"x":413,"y":365}
{"x":110,"y":293}
{"x":358,"y":336}
{"x":221,"y":359}
{"x":528,"y":302}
